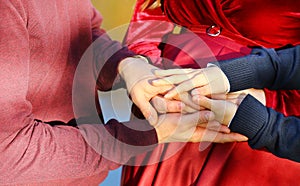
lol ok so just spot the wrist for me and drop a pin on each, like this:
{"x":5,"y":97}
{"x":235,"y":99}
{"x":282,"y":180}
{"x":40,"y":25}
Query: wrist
{"x":127,"y":61}
{"x":160,"y":135}
{"x":224,"y":77}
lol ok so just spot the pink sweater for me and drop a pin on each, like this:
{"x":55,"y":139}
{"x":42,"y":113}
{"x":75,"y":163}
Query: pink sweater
{"x":41,"y":43}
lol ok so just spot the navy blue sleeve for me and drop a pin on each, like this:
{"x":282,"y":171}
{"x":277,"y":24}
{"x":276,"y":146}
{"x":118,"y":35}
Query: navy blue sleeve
{"x":268,"y":129}
{"x":264,"y":68}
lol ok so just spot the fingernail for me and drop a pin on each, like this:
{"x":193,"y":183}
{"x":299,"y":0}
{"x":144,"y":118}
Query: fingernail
{"x":151,"y":120}
{"x":156,"y":72}
{"x":242,"y":138}
{"x":153,"y":82}
{"x":196,"y":99}
{"x":193,"y":92}
{"x":181,"y":106}
{"x":147,"y":114}
{"x":245,"y":138}
{"x":167,"y":96}
{"x":208,"y":116}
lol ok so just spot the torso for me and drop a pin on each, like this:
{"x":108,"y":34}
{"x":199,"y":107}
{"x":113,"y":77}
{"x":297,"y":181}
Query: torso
{"x":269,"y":23}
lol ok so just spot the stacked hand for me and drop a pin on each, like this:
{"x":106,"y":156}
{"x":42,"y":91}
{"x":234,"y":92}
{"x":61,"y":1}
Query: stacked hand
{"x":137,"y":74}
{"x":208,"y":87}
{"x":177,"y":114}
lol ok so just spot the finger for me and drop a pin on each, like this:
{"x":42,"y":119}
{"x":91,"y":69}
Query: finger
{"x":205,"y":116}
{"x":219,"y":96}
{"x":204,"y":90}
{"x":162,"y":89}
{"x":235,"y":95}
{"x":171,"y":80}
{"x":205,"y":135}
{"x":185,"y":87}
{"x":203,"y":101}
{"x":188,"y":110}
{"x":209,"y":86}
{"x":163,"y":105}
{"x":215,"y":126}
{"x":187,"y":99}
{"x":194,"y":119}
{"x":236,"y":101}
{"x":231,"y":137}
{"x":149,"y":112}
{"x":169,"y":72}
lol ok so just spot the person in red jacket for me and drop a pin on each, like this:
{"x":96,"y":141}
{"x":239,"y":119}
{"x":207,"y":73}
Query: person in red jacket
{"x":49,"y":70}
{"x":214,"y":30}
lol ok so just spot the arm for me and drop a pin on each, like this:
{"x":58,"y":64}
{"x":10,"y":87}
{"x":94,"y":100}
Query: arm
{"x":264,"y":127}
{"x":282,"y":68}
{"x":268,"y":128}
{"x":144,"y":34}
{"x":109,"y":55}
{"x":242,"y":73}
{"x":264,"y":68}
{"x":34,"y":151}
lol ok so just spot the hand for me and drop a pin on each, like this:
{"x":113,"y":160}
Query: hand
{"x":224,"y":110}
{"x":137,"y":74}
{"x":208,"y":81}
{"x":237,"y":97}
{"x":194,"y":127}
{"x":163,"y":105}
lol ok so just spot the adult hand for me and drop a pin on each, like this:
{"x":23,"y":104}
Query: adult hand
{"x":163,"y":105}
{"x":210,"y":80}
{"x":224,"y":110}
{"x":137,"y":74}
{"x":195,"y":127}
{"x":237,"y":97}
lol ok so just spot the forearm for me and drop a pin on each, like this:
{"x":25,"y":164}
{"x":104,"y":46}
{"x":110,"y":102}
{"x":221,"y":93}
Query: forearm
{"x":104,"y":54}
{"x":107,"y":71}
{"x":266,"y":128}
{"x":120,"y":141}
{"x":41,"y":153}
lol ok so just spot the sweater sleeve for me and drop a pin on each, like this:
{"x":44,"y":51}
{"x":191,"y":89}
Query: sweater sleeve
{"x":267,"y":128}
{"x":36,"y":152}
{"x":264,"y":68}
{"x":107,"y":54}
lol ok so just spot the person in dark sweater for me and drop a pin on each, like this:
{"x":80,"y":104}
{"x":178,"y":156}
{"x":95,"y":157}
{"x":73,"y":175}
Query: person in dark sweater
{"x":263,"y":68}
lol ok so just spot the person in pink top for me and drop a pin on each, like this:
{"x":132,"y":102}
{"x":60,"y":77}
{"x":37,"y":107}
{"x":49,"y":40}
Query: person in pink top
{"x":48,"y":77}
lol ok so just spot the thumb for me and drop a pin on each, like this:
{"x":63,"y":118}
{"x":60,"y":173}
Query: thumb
{"x":203,"y":101}
{"x":163,"y":89}
{"x":196,"y":118}
{"x":149,"y":112}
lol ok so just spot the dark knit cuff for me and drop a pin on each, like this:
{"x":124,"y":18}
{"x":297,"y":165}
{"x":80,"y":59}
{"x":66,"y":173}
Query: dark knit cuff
{"x":252,"y":71}
{"x":249,"y":118}
{"x":239,"y":73}
{"x":144,"y":135}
